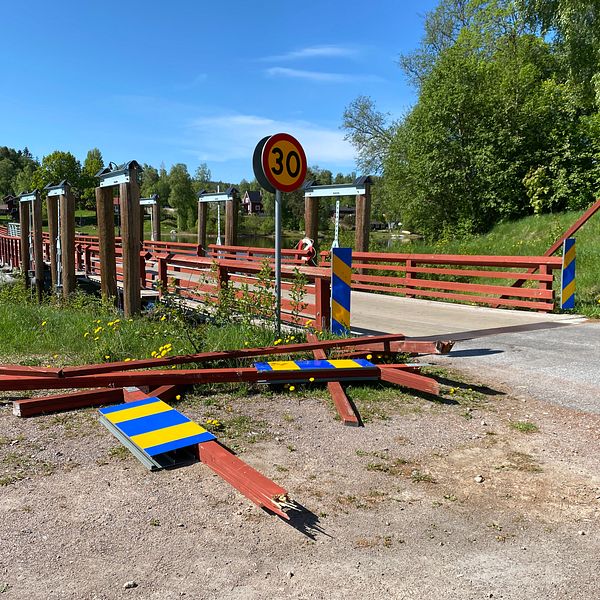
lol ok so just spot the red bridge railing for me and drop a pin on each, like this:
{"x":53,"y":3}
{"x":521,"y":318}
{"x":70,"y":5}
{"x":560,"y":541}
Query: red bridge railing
{"x":471,"y":279}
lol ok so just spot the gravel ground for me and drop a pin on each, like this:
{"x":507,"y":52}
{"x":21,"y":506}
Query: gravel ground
{"x":391,"y":510}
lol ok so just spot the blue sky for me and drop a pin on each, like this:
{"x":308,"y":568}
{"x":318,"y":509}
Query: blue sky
{"x":199,"y":81}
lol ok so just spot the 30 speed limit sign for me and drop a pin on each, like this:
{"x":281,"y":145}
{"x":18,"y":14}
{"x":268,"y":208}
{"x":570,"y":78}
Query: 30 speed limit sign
{"x":279,"y":163}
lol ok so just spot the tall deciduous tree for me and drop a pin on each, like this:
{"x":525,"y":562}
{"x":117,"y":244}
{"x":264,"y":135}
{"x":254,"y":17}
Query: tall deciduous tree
{"x":91,"y":165}
{"x":182,"y":196}
{"x":57,"y":166}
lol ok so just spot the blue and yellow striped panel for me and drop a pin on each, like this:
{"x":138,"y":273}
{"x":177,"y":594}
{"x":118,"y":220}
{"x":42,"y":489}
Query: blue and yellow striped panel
{"x":567,"y":297}
{"x":154,"y":426}
{"x":310,"y":365}
{"x":341,"y":288}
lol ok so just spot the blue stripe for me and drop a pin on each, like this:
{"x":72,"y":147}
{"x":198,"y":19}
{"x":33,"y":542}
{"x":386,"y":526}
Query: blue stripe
{"x":261,"y":367}
{"x":340,"y":292}
{"x":568,"y":274}
{"x":363,"y":362}
{"x":569,"y":302}
{"x":152,"y":422}
{"x":569,"y":243}
{"x":314,"y":364}
{"x":111,"y":409}
{"x":338,"y":328}
{"x":182,"y":443}
{"x":344,"y":254}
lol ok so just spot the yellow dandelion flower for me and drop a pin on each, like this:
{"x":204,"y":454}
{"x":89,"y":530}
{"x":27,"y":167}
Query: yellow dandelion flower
{"x":96,"y":338}
{"x":110,"y":323}
{"x":55,"y":356}
{"x":127,"y":360}
{"x":369,"y":356}
{"x":107,"y":356}
{"x":292,"y":388}
{"x":44,"y":323}
{"x":309,"y":322}
{"x":86,"y":334}
{"x":178,"y":397}
{"x":311,"y":379}
{"x":116,"y":321}
{"x":153,"y":353}
{"x":163,"y":318}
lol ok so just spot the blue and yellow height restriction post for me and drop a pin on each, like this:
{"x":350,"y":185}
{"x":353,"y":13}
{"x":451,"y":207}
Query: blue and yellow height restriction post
{"x":341,"y":288}
{"x":567,"y":278}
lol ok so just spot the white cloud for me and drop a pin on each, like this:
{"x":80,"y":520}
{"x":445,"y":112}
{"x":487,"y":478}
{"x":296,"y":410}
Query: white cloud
{"x":321,"y":77}
{"x":234,"y":137}
{"x":324,"y":51}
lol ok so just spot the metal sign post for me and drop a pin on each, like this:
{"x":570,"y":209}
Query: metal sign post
{"x":336,"y":239}
{"x":279,"y":164}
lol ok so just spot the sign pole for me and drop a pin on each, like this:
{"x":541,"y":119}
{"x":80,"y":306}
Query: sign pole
{"x":278,"y":259}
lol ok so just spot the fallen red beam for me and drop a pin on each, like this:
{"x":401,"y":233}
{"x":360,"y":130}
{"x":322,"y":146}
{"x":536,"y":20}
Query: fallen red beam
{"x":177,"y":377}
{"x":32,"y":407}
{"x":29,"y":370}
{"x":410,"y":380}
{"x":406,"y":346}
{"x":227,"y":354}
{"x":340,"y":400}
{"x":252,"y":484}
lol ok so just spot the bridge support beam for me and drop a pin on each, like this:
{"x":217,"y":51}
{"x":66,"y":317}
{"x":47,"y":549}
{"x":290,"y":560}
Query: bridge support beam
{"x":363,"y":220}
{"x":311,"y":219}
{"x":155,"y":222}
{"x":232,"y":208}
{"x":202,"y":220}
{"x":106,"y":241}
{"x":131,"y":241}
{"x":52,"y":206}
{"x":24,"y":209}
{"x":67,"y":241}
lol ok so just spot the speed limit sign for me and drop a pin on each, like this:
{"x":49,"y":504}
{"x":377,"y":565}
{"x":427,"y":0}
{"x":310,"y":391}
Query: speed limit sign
{"x":280,"y":163}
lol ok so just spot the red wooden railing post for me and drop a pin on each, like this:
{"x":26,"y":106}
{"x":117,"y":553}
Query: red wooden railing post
{"x":408,"y":275}
{"x":322,"y":303}
{"x":87,"y":259}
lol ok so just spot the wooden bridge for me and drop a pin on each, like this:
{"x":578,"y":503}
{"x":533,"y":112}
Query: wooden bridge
{"x":384,"y":284}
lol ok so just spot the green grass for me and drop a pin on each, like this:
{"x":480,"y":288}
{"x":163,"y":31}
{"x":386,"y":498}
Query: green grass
{"x":524,"y":426}
{"x":532,"y":236}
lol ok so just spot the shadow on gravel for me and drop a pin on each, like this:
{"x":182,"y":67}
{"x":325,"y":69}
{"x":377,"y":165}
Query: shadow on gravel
{"x":482,"y":389}
{"x":306,"y":522}
{"x":474,"y":352}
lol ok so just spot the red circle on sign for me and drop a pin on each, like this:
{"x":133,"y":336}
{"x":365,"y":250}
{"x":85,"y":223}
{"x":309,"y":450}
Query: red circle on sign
{"x":284,"y":162}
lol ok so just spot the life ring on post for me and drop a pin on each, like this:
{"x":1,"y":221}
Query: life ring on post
{"x":307,"y":245}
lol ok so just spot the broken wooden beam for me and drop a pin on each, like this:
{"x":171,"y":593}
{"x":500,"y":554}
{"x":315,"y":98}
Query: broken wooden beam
{"x":31,"y":407}
{"x":150,"y":363}
{"x":405,"y":378}
{"x":344,"y":407}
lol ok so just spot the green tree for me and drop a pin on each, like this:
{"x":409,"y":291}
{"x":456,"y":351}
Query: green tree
{"x":91,"y":165}
{"x":57,"y":166}
{"x":182,"y":196}
{"x":202,"y":177}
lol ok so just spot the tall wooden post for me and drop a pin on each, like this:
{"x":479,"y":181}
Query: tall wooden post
{"x":363,"y":220}
{"x":24,"y":208}
{"x":131,"y":242}
{"x":52,"y":205}
{"x":156,"y":222}
{"x":311,"y":218}
{"x":106,"y":235}
{"x":38,"y":246}
{"x":202,"y":220}
{"x":67,"y":240}
{"x":231,"y":220}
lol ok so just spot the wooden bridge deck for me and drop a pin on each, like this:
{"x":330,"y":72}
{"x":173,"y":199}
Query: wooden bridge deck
{"x":379,"y":313}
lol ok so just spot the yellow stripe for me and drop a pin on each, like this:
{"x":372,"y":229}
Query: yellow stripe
{"x":569,"y":257}
{"x":284,"y":365}
{"x":138,"y":411}
{"x":568,"y":291}
{"x":345,"y":364}
{"x":167,"y":434}
{"x":342,"y":270}
{"x":340,"y":314}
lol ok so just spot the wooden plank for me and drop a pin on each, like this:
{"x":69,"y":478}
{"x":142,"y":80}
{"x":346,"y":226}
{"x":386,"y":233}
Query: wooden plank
{"x":179,"y":377}
{"x":343,"y":406}
{"x":31,"y":371}
{"x":31,"y":407}
{"x":38,"y":249}
{"x":409,"y":380}
{"x":67,"y":241}
{"x":106,"y":242}
{"x":229,"y":354}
